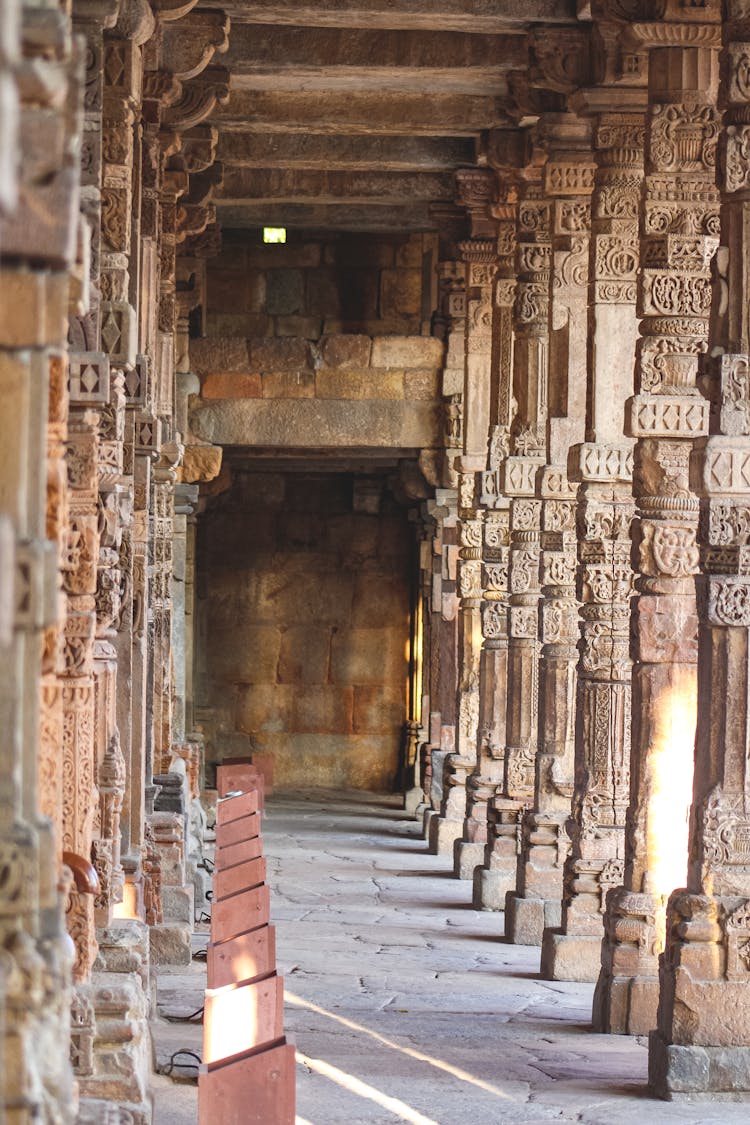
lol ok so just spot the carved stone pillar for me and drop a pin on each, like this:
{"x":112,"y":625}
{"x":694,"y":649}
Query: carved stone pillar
{"x":568,"y":181}
{"x":487,"y":776}
{"x":605,"y":509}
{"x":39,"y":93}
{"x":702,"y":1044}
{"x":679,"y":223}
{"x":518,"y":482}
{"x":476,"y":192}
{"x":444,"y":606}
{"x":450,"y":323}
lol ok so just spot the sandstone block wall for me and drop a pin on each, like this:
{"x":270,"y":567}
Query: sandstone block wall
{"x":339,"y":391}
{"x":310,"y":287}
{"x":305,"y":620}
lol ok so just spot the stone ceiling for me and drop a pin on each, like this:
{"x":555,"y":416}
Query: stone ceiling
{"x":354,"y":114}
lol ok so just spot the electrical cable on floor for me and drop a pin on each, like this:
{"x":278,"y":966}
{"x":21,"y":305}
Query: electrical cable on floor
{"x":194,"y":1017}
{"x":200,"y":955}
{"x":172,"y":1065}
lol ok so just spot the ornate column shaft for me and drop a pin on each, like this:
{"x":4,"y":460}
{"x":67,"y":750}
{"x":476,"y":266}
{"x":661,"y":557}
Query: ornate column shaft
{"x":605,"y":509}
{"x":487,"y":777}
{"x":518,"y":482}
{"x":568,"y":181}
{"x":702,"y":1044}
{"x":679,"y":222}
{"x":476,"y":189}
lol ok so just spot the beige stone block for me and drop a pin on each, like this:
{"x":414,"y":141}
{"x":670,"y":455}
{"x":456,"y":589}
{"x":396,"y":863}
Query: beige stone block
{"x":373,"y":326}
{"x":200,"y":463}
{"x":290,"y":599}
{"x":318,"y":424}
{"x":337,"y":760}
{"x":264,"y":707}
{"x":170,"y":943}
{"x":354,"y":541}
{"x":346,"y":351}
{"x":400,"y":292}
{"x":33,"y":309}
{"x":245,"y":325}
{"x":309,"y":327}
{"x":228,"y":292}
{"x":285,"y":292}
{"x":380,"y":602}
{"x":224,"y":354}
{"x":288,"y":384}
{"x":422,"y":384}
{"x":245,"y":652}
{"x":333,"y":382}
{"x":379,"y":709}
{"x":409,"y":254}
{"x":284,"y":255}
{"x":360,"y":252}
{"x":231,"y":386}
{"x":305,"y":654}
{"x":368,"y":656}
{"x":291,"y":353}
{"x":322,"y":709}
{"x":407,"y":351}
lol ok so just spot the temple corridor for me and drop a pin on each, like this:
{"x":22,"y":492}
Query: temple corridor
{"x":405,"y":1004}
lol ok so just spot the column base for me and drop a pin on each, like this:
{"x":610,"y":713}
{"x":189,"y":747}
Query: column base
{"x":169,"y":943}
{"x":675,"y":1071}
{"x":491,"y":887}
{"x":467,"y":855}
{"x":625,"y":1005}
{"x":427,"y":819}
{"x":527,"y":918}
{"x":413,"y":798}
{"x":572,"y":957}
{"x":443,"y":835}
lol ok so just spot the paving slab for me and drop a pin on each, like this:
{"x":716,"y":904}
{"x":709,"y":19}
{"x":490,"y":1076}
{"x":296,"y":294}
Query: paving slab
{"x":406,"y":1004}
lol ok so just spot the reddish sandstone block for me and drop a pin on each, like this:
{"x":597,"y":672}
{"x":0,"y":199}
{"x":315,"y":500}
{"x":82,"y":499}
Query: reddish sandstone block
{"x":232,"y":808}
{"x":257,"y":1089}
{"x":240,"y":913}
{"x":241,"y":1017}
{"x":238,"y":853}
{"x":242,"y":958}
{"x":241,"y":877}
{"x":231,"y":386}
{"x":243,"y":773}
{"x":243,"y":829}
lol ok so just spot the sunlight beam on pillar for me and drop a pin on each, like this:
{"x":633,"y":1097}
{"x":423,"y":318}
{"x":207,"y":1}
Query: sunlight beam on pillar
{"x":675,"y":715}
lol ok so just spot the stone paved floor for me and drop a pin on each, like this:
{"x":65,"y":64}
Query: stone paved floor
{"x":406,"y":1005}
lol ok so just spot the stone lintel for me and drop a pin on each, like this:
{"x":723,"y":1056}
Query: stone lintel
{"x":259,"y":186}
{"x":264,"y":56}
{"x":485,"y":17}
{"x":318,"y":424}
{"x":363,"y":113}
{"x":363,"y":218}
{"x":350,"y":154}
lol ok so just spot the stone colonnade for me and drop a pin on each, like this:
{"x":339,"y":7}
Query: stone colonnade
{"x":587,"y":583}
{"x":106,"y":174}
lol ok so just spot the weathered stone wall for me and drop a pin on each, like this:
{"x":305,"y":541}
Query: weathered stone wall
{"x":309,"y":287}
{"x":304,"y":618}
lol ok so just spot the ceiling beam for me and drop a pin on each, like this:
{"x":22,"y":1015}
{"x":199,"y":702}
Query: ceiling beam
{"x":427,"y":114}
{"x":251,"y":185}
{"x":352,"y":153}
{"x":366,"y":218}
{"x":262,"y":57}
{"x":481,"y":17}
